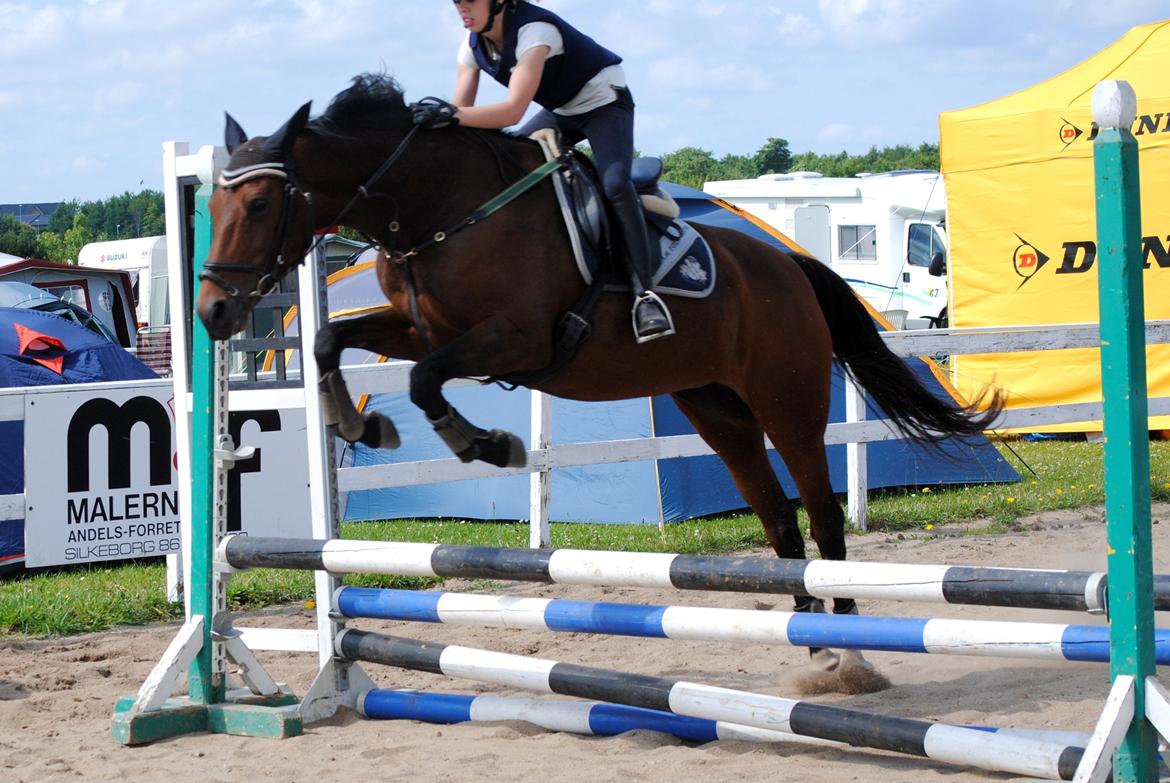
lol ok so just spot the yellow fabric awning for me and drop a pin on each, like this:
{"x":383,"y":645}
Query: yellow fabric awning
{"x":1022,"y":224}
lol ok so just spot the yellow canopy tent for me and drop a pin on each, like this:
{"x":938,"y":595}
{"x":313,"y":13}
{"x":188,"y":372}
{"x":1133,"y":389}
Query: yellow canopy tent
{"x":1019,"y":180}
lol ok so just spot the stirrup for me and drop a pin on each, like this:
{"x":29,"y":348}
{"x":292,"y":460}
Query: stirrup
{"x":655,"y":331}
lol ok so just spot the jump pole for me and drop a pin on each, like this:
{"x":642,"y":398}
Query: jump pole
{"x":1126,"y":730}
{"x":602,"y":719}
{"x":1005,"y":587}
{"x":937,"y":741}
{"x":1050,"y":641}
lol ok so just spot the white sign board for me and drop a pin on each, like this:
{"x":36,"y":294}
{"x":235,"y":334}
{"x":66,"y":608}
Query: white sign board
{"x":100,"y":478}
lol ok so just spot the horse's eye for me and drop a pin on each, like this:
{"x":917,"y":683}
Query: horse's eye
{"x":257,"y":205}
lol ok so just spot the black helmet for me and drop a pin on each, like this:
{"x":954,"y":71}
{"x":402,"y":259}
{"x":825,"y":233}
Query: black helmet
{"x":495,"y":7}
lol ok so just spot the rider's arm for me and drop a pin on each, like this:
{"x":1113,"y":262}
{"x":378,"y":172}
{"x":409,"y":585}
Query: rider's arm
{"x":466,"y":86}
{"x":521,"y":90}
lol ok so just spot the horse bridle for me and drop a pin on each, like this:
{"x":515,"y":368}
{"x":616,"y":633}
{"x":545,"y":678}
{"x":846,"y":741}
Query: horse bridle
{"x":276,"y":268}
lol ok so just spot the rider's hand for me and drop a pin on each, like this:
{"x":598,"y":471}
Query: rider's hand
{"x":430,"y":113}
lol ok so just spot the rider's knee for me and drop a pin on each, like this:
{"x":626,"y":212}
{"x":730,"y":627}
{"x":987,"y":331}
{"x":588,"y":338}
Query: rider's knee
{"x":614,"y":181}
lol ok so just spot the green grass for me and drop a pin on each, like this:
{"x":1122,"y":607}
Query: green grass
{"x":92,"y":598}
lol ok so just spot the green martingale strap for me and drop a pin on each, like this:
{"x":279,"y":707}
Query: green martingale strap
{"x":517,"y":190}
{"x":489,"y":208}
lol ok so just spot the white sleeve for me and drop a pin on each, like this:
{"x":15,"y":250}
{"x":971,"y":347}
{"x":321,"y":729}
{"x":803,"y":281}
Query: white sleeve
{"x":539,"y":34}
{"x":465,"y":56}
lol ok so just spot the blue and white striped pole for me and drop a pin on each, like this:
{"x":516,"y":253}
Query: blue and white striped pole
{"x":1008,"y":587}
{"x":574,"y":717}
{"x":938,"y":741}
{"x":595,"y":718}
{"x":799,"y":629}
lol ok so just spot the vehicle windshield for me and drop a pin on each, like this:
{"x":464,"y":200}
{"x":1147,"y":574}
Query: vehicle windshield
{"x":924,"y":241}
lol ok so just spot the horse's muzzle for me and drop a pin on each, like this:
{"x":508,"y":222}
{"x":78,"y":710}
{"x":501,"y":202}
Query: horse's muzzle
{"x":221,"y":315}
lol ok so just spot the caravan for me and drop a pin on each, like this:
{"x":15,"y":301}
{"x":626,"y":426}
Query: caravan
{"x":884,"y":233}
{"x":146,"y":261}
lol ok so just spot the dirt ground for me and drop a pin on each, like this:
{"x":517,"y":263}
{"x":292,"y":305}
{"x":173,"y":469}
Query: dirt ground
{"x":57,"y":696}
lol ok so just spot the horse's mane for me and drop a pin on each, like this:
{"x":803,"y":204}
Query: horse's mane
{"x":372,"y":101}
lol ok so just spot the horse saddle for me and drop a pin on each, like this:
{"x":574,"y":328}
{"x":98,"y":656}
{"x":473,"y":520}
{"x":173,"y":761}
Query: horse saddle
{"x":685,"y":264}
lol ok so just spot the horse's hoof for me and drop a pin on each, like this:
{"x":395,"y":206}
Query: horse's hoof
{"x":517,"y":453}
{"x":502,"y":449}
{"x":824,"y":660}
{"x":379,"y":432}
{"x":857,"y":675}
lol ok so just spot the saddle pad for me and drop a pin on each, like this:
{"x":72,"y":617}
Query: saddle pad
{"x":687,"y":267}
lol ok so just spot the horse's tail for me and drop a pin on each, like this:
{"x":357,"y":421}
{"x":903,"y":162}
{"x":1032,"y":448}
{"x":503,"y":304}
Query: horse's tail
{"x":913,"y":409}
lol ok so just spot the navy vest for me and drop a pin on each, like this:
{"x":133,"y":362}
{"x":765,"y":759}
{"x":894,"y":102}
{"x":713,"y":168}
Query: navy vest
{"x":564,"y":75}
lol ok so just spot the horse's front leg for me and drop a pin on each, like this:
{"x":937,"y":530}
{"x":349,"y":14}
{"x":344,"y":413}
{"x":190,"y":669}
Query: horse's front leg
{"x":382,"y":332}
{"x":493,"y":347}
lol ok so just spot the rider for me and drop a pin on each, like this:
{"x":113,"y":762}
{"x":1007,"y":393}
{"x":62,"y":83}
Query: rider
{"x":582,"y":89}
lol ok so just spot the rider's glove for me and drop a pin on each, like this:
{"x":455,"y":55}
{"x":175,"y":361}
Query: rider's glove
{"x":430,"y":113}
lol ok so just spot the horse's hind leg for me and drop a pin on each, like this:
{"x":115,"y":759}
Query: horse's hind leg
{"x":800,"y":442}
{"x":727,"y":425}
{"x":491,"y":348}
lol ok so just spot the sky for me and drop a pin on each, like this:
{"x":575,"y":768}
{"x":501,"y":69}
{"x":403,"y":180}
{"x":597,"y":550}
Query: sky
{"x":92,"y":88}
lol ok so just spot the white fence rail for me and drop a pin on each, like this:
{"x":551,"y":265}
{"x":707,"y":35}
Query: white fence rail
{"x":545,"y":456}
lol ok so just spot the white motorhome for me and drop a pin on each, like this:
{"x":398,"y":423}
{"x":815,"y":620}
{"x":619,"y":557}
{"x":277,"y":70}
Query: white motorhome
{"x":146,"y":261}
{"x":884,"y":233}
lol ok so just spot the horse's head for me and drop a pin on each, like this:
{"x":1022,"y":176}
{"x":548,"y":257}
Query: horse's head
{"x":263,"y":224}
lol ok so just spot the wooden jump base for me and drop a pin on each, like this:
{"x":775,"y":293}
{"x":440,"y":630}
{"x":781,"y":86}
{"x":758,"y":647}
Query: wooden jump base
{"x":800,"y":629}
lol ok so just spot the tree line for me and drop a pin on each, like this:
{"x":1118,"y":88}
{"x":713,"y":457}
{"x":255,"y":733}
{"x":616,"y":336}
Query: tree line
{"x":693,"y":166}
{"x":75,"y":224}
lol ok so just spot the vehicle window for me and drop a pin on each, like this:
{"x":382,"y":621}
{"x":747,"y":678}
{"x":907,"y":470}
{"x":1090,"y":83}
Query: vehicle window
{"x":922,"y":243}
{"x":74,"y":294}
{"x":857,"y":243}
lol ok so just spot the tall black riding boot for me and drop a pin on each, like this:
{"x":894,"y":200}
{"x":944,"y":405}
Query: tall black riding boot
{"x":650,"y":316}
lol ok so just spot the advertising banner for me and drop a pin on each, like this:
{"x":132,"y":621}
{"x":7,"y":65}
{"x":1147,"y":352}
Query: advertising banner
{"x":1022,"y":221}
{"x":101,"y":477}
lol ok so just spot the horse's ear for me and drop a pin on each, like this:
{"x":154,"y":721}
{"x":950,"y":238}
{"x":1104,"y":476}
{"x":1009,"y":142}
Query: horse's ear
{"x":280,"y":143}
{"x":233,"y":134}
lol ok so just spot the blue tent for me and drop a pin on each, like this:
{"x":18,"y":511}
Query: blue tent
{"x":632,"y":492}
{"x":85,"y":357}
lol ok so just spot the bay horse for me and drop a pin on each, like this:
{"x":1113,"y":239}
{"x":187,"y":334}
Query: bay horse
{"x":752,"y":359}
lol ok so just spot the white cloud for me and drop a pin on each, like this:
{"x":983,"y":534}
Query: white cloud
{"x":883,"y":22}
{"x":117,"y":96}
{"x":836,"y":132}
{"x":28,"y":29}
{"x":797,"y":29}
{"x":689,"y":73}
{"x":84,"y":164}
{"x":10,"y":100}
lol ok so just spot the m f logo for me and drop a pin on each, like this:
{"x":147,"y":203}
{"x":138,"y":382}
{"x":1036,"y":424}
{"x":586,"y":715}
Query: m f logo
{"x":119,"y":420}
